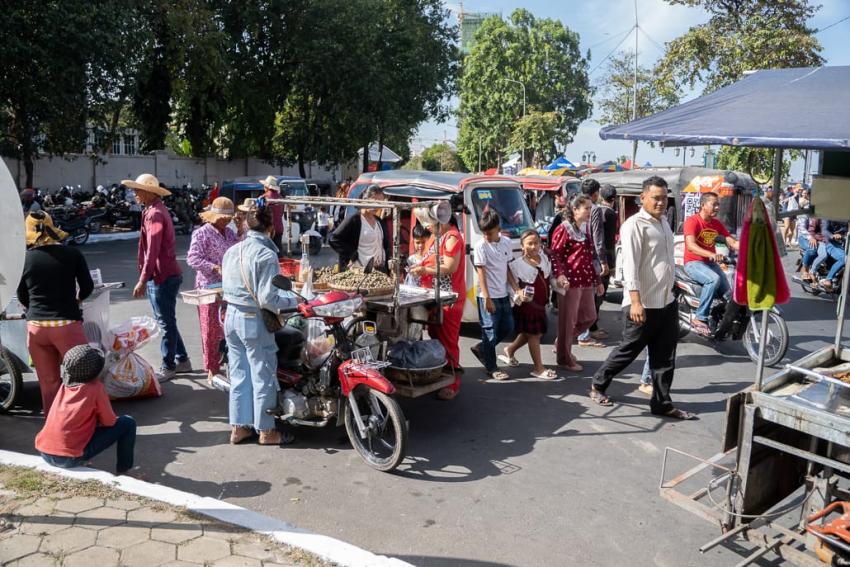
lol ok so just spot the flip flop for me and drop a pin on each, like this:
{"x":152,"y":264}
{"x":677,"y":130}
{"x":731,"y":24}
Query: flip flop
{"x":547,"y":374}
{"x":600,"y":398}
{"x":676,"y":413}
{"x":509,"y":360}
{"x":498,"y":375}
{"x":591,"y":343}
{"x":572,"y":367}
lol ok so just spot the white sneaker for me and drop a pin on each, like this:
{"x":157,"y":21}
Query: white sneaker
{"x":164,"y":375}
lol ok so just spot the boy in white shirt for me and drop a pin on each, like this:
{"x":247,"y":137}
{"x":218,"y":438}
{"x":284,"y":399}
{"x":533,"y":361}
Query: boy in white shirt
{"x":496,"y":285}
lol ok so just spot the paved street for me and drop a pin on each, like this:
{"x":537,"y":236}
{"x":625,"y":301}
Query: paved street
{"x":518,"y":473}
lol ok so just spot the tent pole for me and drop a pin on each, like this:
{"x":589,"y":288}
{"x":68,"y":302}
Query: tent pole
{"x":842,"y":304}
{"x":777,"y":183}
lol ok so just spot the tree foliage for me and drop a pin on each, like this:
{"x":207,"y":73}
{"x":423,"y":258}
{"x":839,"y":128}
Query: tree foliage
{"x":544,"y":56}
{"x":615,"y":91}
{"x":534,"y":133}
{"x":740,"y":36}
{"x":438,"y":157}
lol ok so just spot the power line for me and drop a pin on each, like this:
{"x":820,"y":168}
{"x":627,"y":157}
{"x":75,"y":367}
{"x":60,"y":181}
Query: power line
{"x":609,"y":38}
{"x":844,"y":19}
{"x":612,"y":51}
{"x":647,"y":36}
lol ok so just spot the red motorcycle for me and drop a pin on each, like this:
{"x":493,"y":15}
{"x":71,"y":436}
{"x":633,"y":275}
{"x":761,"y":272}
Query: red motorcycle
{"x":326,"y":376}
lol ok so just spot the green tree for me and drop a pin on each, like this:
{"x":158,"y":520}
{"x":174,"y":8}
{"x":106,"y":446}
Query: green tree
{"x":741,"y":35}
{"x":541,"y":54}
{"x":535,"y":134}
{"x":615,"y":91}
{"x":56,"y":67}
{"x":438,"y":157}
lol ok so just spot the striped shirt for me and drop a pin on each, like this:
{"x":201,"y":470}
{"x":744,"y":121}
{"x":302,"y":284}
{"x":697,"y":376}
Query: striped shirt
{"x":648,"y":264}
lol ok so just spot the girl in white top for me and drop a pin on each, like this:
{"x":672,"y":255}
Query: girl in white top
{"x":532,"y":270}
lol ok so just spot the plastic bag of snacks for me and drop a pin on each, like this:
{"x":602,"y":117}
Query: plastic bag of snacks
{"x":131,"y":376}
{"x":133,"y":333}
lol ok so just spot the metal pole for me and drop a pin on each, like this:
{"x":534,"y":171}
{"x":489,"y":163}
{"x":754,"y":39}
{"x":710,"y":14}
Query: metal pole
{"x":437,"y":275}
{"x":396,"y":269}
{"x":762,"y":347}
{"x":842,"y":304}
{"x":521,"y":84}
{"x":635,"y":86}
{"x":479,"y":154}
{"x":777,"y":182}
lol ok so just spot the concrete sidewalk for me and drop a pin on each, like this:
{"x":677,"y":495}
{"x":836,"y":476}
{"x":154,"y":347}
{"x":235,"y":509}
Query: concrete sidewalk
{"x":87,"y":517}
{"x":47,"y":520}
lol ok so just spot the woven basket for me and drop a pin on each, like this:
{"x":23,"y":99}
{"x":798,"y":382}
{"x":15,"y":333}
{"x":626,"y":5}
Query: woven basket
{"x":316,"y":286}
{"x":413,"y":376}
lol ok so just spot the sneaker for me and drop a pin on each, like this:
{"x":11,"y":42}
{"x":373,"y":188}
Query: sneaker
{"x":183,"y":366}
{"x":165,"y":374}
{"x":646,"y":389}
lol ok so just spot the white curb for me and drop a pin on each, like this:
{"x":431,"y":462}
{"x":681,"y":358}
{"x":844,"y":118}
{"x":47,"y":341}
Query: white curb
{"x":112,"y":236}
{"x":327,"y":548}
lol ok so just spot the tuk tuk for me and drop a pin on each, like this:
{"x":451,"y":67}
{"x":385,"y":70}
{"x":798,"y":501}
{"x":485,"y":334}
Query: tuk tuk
{"x":686,"y":184}
{"x":542,"y":192}
{"x":469,"y":196}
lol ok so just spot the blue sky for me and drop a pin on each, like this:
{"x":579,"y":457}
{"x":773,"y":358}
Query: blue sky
{"x":601,"y":25}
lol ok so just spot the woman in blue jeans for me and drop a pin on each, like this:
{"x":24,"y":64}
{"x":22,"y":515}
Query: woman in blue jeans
{"x":247,"y":272}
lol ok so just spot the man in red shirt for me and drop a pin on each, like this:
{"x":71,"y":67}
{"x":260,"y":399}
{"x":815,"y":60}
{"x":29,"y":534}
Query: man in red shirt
{"x":701,"y":257}
{"x":159,"y":273}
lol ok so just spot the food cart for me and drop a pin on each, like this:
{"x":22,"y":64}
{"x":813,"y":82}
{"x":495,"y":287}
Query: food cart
{"x":784,"y":462}
{"x":400,"y":311}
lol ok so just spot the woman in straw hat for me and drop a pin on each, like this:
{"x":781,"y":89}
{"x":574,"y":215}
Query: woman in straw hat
{"x":49,"y":292}
{"x":276,"y":210}
{"x":209,"y":243}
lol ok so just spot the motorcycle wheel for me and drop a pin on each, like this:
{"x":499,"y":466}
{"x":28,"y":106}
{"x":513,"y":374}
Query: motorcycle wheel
{"x":777,"y":338}
{"x":11,"y":382}
{"x":80,"y":237}
{"x":385,"y":444}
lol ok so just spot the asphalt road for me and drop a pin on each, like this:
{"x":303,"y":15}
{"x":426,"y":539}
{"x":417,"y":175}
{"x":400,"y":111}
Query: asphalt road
{"x":522,"y":472}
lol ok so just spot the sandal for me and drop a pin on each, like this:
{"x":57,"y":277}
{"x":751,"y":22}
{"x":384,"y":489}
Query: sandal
{"x":600,"y":398}
{"x":508,"y":359}
{"x":547,"y":374}
{"x":574,"y":367}
{"x":676,"y":413}
{"x":591,"y":343}
{"x":701,"y":328}
{"x":498,"y":375}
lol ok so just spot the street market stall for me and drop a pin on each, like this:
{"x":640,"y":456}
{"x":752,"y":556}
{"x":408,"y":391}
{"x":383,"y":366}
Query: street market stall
{"x":784,"y":464}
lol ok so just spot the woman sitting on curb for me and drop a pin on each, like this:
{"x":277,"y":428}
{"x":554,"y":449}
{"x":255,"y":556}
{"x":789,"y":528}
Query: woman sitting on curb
{"x":81,"y":423}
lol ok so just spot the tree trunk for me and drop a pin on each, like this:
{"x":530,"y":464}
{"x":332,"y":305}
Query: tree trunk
{"x":301,"y":171}
{"x":365,"y":158}
{"x":28,"y":167}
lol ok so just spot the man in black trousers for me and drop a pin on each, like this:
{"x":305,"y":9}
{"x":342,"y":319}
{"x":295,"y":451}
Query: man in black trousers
{"x":651,"y":317}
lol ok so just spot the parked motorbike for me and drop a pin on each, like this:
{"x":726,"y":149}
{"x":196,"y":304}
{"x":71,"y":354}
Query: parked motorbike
{"x":727,"y":319}
{"x":813,"y":287}
{"x":326,"y":378}
{"x":70,"y":220}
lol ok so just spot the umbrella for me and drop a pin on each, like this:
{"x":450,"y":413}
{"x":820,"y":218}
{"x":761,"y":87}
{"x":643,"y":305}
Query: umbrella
{"x":561,"y":163}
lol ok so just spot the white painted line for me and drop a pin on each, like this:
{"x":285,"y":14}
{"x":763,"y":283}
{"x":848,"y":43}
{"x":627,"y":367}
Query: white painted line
{"x":328,"y":548}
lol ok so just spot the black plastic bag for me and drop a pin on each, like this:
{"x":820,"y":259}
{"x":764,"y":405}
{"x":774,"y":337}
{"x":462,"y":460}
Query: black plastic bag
{"x":420,"y":354}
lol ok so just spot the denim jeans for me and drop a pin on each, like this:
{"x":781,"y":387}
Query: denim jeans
{"x":123,"y":433}
{"x":252,"y":365}
{"x":713,"y":281}
{"x":495,"y":327}
{"x":836,"y":252}
{"x":163,"y":298}
{"x":646,"y":374}
{"x":809,"y":252}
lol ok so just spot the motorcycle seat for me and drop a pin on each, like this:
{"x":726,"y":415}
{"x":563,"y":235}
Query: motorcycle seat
{"x":288,"y":338}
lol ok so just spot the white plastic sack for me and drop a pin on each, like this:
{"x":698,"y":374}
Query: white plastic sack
{"x":131,"y":377}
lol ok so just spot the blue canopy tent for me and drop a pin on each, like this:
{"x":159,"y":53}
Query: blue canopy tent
{"x":560,"y":163}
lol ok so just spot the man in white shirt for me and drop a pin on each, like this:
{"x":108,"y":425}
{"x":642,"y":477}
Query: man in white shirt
{"x":651,"y":317}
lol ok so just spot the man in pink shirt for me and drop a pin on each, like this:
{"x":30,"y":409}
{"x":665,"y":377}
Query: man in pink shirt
{"x":159,"y":272}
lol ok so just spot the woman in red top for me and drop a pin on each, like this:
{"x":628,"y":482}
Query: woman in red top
{"x":452,"y":278}
{"x":572,"y":255}
{"x":81,"y":423}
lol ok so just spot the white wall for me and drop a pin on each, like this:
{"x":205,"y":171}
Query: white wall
{"x":79,"y":169}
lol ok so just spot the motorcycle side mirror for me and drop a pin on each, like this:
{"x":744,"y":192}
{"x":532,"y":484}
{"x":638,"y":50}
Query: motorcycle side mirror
{"x":282,"y":282}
